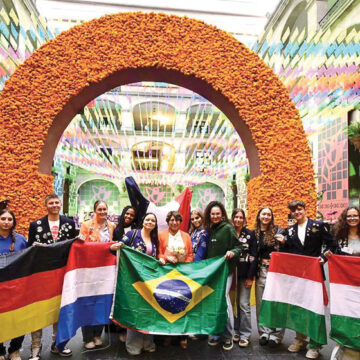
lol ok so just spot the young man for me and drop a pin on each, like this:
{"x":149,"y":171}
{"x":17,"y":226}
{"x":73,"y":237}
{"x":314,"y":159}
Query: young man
{"x":50,"y":229}
{"x":307,"y":237}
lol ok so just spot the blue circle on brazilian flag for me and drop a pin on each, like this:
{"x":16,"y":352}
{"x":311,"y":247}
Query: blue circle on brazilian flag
{"x":173,"y":295}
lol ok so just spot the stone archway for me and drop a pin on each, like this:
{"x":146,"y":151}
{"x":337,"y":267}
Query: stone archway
{"x":59,"y":79}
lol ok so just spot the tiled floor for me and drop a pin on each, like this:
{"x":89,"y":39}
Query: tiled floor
{"x":197,"y":350}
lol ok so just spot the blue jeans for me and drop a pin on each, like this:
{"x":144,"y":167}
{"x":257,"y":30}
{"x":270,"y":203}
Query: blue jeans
{"x":242,"y":322}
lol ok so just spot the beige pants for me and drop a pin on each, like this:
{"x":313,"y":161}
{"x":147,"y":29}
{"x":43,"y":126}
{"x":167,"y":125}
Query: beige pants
{"x":37,"y":335}
{"x":349,"y":354}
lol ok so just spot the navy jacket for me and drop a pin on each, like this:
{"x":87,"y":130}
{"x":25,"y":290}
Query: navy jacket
{"x":39,"y":230}
{"x":317,"y":236}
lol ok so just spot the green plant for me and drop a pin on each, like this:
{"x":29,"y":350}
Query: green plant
{"x":247,"y":177}
{"x":353,"y":130}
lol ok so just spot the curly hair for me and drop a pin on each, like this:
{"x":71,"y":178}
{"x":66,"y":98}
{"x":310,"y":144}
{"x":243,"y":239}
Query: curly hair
{"x":341,"y":227}
{"x":212,"y":204}
{"x":12,"y":234}
{"x":271,"y":230}
{"x":175,"y":214}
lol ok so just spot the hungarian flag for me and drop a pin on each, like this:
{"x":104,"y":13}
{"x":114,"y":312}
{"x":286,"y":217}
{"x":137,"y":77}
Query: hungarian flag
{"x":295,"y":296}
{"x":31,"y":282}
{"x":187,"y":298}
{"x":88,"y":289}
{"x":142,"y":205}
{"x":344,"y":274}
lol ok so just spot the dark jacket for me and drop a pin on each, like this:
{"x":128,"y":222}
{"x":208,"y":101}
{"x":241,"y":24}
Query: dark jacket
{"x":223,"y":238}
{"x":317,"y":235}
{"x":342,"y":248}
{"x":39,"y":230}
{"x":245,"y":268}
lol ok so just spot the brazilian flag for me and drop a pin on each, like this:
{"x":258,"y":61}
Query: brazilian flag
{"x":187,"y":298}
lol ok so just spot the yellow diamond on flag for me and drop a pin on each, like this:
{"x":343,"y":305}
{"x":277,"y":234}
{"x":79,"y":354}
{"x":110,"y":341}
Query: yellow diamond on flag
{"x":173,"y":294}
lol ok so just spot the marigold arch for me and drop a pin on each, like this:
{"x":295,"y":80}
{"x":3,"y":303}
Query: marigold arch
{"x":59,"y":79}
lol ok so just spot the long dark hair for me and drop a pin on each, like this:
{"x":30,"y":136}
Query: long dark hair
{"x":235,"y":211}
{"x":270,"y":232}
{"x":119,"y":230}
{"x":154,"y":232}
{"x":199,"y":213}
{"x":341,"y":228}
{"x":12,"y":234}
{"x":207,"y":220}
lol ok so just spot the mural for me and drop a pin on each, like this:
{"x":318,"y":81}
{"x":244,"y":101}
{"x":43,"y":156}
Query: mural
{"x":204,"y":193}
{"x":157,"y":194}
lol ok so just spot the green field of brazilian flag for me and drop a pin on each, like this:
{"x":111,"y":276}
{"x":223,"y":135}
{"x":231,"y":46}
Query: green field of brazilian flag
{"x":185,"y":298}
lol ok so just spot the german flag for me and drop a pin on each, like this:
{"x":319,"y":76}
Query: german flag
{"x":30,"y":288}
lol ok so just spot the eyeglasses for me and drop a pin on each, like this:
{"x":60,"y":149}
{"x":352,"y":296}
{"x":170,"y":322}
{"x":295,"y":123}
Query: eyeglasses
{"x":352,"y":216}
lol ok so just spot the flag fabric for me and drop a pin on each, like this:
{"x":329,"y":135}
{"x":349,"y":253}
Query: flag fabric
{"x":88,"y":289}
{"x":142,"y":205}
{"x":295,"y":296}
{"x":187,"y":298}
{"x":31,"y":282}
{"x":344,"y":277}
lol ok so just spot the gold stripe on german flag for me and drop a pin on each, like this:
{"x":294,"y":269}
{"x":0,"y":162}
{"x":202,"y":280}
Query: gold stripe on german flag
{"x":30,"y":288}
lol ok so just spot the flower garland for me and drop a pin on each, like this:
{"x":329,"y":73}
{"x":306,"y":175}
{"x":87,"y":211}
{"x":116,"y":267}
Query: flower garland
{"x":67,"y":66}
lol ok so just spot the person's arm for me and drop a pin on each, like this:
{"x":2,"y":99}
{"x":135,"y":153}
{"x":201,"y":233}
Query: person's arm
{"x":235,"y":245}
{"x":201,"y":253}
{"x":162,"y":248}
{"x":328,"y":241}
{"x":189,"y":253}
{"x":32,"y":233}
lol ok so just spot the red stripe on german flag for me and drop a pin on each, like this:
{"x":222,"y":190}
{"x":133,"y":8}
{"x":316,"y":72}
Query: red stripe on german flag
{"x":30,"y":289}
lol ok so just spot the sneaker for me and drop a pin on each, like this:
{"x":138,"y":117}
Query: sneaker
{"x":264,"y":339}
{"x":243,"y":342}
{"x":312,"y":354}
{"x":97,"y":341}
{"x":273,"y":341}
{"x":236,"y":338}
{"x":15,"y":355}
{"x":228,"y":344}
{"x":89,"y":345}
{"x":213,"y":342}
{"x":66,"y":352}
{"x":35,"y":353}
{"x":151,"y":350}
{"x":296,"y":346}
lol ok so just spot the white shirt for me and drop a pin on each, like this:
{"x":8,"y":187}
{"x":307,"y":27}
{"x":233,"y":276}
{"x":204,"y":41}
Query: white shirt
{"x":354,"y":246}
{"x":175,"y":242}
{"x":302,"y":231}
{"x":54,"y":228}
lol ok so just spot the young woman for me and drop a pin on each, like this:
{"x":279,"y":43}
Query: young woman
{"x":144,"y":240}
{"x":224,"y":242}
{"x":174,"y":247}
{"x":347,"y":236}
{"x":126,"y":223}
{"x":199,"y":235}
{"x":269,"y":238}
{"x":10,"y":242}
{"x":98,"y":229}
{"x":246,"y":271}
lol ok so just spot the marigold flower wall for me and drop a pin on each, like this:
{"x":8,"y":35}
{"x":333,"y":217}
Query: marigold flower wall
{"x":89,"y":53}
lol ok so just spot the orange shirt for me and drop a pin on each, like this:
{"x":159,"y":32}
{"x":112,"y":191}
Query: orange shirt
{"x":164,"y":240}
{"x":90,"y":230}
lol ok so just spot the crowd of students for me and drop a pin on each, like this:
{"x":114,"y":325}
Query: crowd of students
{"x":210,"y":234}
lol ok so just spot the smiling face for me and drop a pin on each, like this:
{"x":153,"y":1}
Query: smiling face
{"x":215,"y":215}
{"x":174,"y":225}
{"x":265,"y":217}
{"x":101,"y":211}
{"x":238,"y":220}
{"x":129,"y":217}
{"x":352,"y":218}
{"x":196,"y":219}
{"x":6,"y":222}
{"x":53,"y":206}
{"x":299,"y":214}
{"x":149,"y":222}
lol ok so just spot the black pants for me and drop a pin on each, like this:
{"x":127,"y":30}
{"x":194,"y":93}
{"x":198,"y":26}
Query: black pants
{"x":15,"y":344}
{"x":89,"y":332}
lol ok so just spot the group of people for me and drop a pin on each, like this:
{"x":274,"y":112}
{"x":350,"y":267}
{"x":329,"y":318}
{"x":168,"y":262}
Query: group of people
{"x":210,"y":234}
